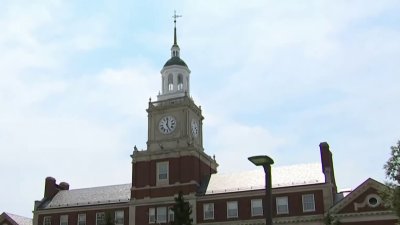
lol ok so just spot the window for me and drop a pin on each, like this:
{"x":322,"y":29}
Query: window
{"x":171,"y":215}
{"x":47,"y":220}
{"x":308,"y":203}
{"x":170,"y":82}
{"x":161,"y":214}
{"x":256,"y":207}
{"x":100,"y":218}
{"x":152,"y":215}
{"x":162,"y":172}
{"x":119,"y":217}
{"x":282,"y":206}
{"x":208,"y":210}
{"x":232,"y":209}
{"x":180,"y":82}
{"x":81,"y":219}
{"x":64,"y":220}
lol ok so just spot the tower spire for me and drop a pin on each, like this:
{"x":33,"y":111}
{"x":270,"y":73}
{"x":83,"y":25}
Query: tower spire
{"x":175,"y":16}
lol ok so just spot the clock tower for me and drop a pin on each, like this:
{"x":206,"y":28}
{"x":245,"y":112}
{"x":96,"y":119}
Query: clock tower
{"x":174,"y":160}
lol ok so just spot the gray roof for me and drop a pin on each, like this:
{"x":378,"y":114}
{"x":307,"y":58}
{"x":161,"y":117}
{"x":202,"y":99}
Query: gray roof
{"x":175,"y":61}
{"x":285,"y":176}
{"x":20,"y":220}
{"x":90,"y":196}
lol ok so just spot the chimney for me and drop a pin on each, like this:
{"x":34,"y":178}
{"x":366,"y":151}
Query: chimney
{"x":327,"y":164}
{"x":63,"y":186}
{"x":50,"y":188}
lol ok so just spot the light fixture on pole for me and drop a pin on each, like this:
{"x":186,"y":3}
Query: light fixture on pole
{"x":265,"y":162}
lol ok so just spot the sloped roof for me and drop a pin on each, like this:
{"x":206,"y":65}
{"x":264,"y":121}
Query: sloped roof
{"x":90,"y":196}
{"x":19,"y":220}
{"x":285,"y":176}
{"x":348,"y":199}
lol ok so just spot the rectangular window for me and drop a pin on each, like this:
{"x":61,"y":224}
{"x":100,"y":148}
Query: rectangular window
{"x":162,"y":172}
{"x":308,"y":203}
{"x":81,"y":219}
{"x":100,"y":218}
{"x":47,"y":220}
{"x":232,"y":209}
{"x":119,"y":217}
{"x":256,"y":207}
{"x":64,"y":220}
{"x":161,"y":214}
{"x":171,"y":215}
{"x":152,"y":215}
{"x":208,"y":210}
{"x":282,"y":206}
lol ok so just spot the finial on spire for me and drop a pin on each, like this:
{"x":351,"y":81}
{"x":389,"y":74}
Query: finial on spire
{"x":175,"y":16}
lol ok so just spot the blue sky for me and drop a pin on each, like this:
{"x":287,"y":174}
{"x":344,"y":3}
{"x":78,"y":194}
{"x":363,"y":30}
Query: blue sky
{"x":272,"y":77}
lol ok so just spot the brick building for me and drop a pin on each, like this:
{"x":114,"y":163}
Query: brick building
{"x":175,"y":161}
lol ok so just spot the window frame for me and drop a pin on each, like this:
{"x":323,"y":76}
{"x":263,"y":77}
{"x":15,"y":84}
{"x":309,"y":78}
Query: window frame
{"x":160,"y":210}
{"x":160,"y":165}
{"x":303,"y":198}
{"x":171,"y":215}
{"x":227,"y":209}
{"x":278,"y":212}
{"x":261,"y":206}
{"x":152,"y":215}
{"x":81,"y":215}
{"x":102,"y":214}
{"x":205,"y":210}
{"x":64,"y":219}
{"x":47,"y":220}
{"x":116,"y":217}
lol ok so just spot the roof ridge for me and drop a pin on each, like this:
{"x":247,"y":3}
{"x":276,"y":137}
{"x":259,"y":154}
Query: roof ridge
{"x":103,"y":186}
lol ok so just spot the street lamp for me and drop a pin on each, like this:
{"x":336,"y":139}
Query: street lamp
{"x":265,"y":162}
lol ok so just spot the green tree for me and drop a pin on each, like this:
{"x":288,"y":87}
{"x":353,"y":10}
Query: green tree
{"x":391,"y":196}
{"x":109,"y":220}
{"x":182,"y":211}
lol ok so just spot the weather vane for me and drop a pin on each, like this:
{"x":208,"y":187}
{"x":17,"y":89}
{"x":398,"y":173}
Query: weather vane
{"x":175,"y":16}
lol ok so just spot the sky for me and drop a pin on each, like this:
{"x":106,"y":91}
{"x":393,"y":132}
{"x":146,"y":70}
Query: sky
{"x":272,"y":77}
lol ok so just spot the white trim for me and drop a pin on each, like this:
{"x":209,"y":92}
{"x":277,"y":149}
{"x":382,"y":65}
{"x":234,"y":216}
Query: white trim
{"x":313,"y":202}
{"x":162,"y":210}
{"x":97,"y":217}
{"x":115,"y":217}
{"x":79,"y":216}
{"x":161,"y":165}
{"x":44,"y":220}
{"x":285,"y":200}
{"x":152,"y":215}
{"x":64,"y":220}
{"x":232,"y":203}
{"x":204,"y":211}
{"x":252,"y":207}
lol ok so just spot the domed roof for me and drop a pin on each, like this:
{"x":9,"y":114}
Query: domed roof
{"x":175,"y":61}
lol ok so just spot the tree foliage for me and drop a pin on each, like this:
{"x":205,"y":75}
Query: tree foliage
{"x":182,"y":211}
{"x":391,"y":196}
{"x":108,"y":219}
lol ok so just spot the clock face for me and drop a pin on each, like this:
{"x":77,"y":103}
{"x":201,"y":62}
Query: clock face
{"x":195,"y":127}
{"x":167,"y":124}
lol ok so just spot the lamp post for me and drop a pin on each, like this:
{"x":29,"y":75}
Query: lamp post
{"x":265,"y":162}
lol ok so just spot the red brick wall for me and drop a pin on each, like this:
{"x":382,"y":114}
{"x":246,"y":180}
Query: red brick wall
{"x":181,"y":170}
{"x":90,"y":216}
{"x":244,"y":206}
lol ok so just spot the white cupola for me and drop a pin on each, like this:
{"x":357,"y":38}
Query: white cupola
{"x":175,"y":74}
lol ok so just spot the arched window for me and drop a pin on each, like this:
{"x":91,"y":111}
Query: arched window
{"x":170,"y":82}
{"x":180,"y":82}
